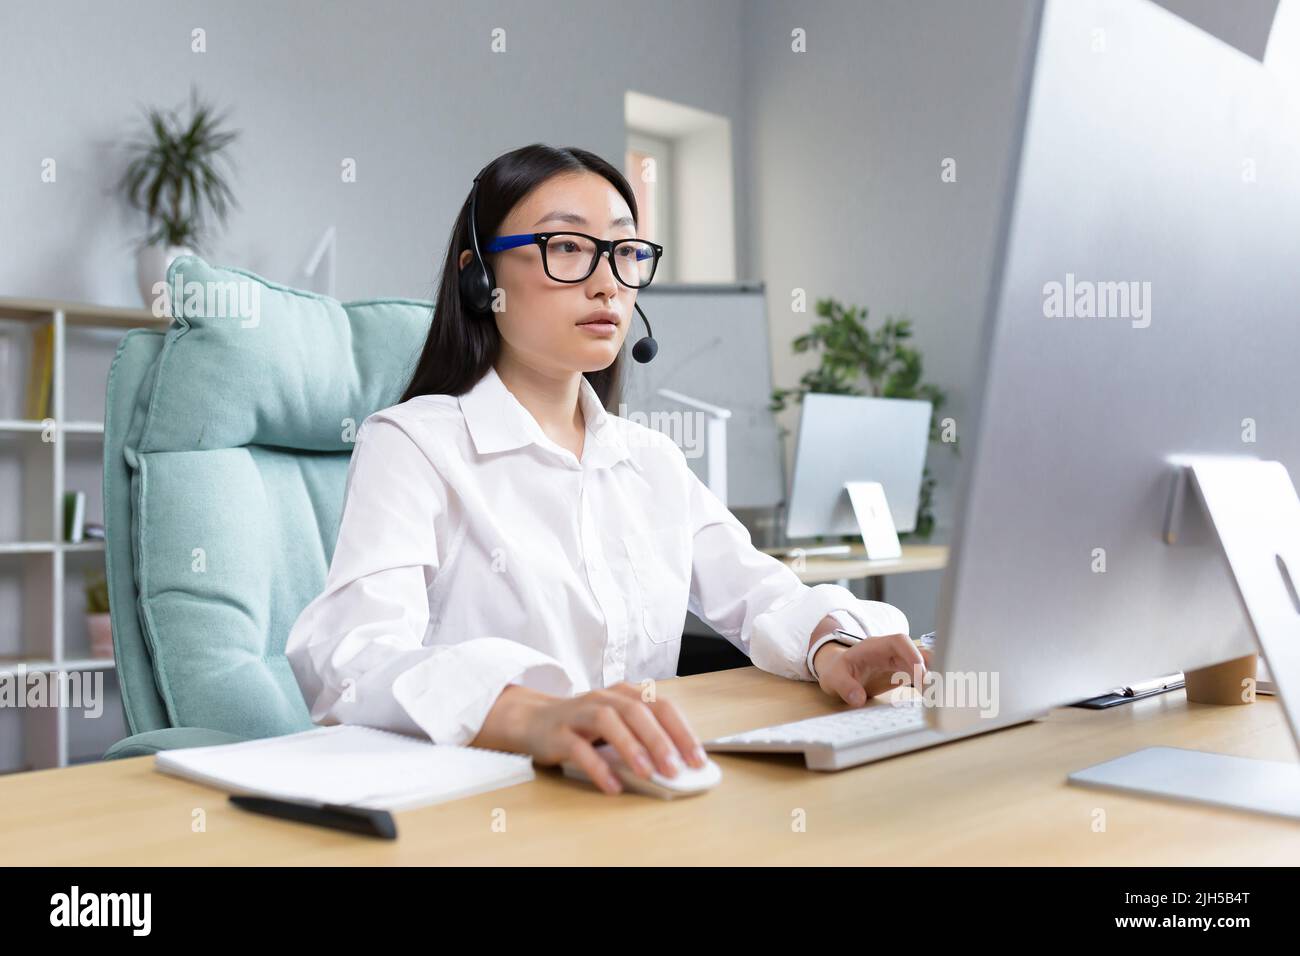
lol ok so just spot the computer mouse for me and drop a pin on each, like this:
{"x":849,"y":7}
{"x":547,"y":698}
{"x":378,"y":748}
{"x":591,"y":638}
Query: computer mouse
{"x":688,"y":782}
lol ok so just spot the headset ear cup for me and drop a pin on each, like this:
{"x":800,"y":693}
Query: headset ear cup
{"x":476,"y":286}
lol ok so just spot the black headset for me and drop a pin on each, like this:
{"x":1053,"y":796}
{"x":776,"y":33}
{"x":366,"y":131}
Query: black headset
{"x":477,"y":282}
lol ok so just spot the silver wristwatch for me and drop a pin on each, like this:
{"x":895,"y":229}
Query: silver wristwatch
{"x":839,"y":636}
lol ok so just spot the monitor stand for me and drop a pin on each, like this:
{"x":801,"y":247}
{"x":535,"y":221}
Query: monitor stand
{"x":1250,"y":509}
{"x":875,"y":523}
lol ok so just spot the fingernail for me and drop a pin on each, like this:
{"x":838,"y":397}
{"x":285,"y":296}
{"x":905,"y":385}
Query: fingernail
{"x":700,"y":758}
{"x":643,"y":765}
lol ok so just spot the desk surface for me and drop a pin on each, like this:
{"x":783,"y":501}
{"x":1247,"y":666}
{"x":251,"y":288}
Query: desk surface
{"x":999,"y":798}
{"x":915,"y":557}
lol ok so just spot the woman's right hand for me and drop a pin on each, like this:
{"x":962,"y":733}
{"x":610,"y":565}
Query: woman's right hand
{"x":648,"y":735}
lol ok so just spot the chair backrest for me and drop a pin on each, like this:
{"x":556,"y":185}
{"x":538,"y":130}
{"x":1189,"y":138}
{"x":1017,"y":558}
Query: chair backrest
{"x":226,"y":447}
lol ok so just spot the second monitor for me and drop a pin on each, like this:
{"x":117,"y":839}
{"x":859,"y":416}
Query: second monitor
{"x":844,"y":438}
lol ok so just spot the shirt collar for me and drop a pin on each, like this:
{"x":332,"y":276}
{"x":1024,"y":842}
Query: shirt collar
{"x":497,"y":421}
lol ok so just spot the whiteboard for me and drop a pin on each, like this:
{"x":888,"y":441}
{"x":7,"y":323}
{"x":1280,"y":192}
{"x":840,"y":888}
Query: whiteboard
{"x":713,"y":346}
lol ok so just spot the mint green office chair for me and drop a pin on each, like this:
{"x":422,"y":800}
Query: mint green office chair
{"x":226,"y":447}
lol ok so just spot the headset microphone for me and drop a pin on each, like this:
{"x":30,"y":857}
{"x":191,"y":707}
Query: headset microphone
{"x":646,"y":348}
{"x":477,"y":282}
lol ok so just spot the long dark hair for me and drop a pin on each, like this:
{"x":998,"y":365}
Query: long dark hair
{"x":462,"y":345}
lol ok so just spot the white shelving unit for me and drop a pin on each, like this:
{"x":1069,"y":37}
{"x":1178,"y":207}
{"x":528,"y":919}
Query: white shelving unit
{"x":41,"y":575}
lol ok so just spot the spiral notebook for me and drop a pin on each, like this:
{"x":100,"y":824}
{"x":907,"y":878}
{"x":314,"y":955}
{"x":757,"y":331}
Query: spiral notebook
{"x":349,"y":764}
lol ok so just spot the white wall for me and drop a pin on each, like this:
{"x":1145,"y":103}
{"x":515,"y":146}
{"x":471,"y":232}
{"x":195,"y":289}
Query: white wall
{"x":408,"y":89}
{"x":703,"y":210}
{"x":846,"y":145}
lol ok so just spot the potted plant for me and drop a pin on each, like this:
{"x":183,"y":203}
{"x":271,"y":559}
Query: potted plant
{"x":855,"y":360}
{"x":176,"y":177}
{"x":98,"y":621}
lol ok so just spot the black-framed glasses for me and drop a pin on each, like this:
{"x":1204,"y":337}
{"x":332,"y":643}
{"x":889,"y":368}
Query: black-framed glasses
{"x":573,"y":256}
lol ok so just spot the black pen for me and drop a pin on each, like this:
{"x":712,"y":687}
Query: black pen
{"x":377,"y":823}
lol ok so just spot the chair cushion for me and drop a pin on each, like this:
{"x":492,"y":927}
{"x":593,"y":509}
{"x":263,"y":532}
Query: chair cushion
{"x":168,"y":738}
{"x":135,"y":358}
{"x":249,"y":362}
{"x":240,"y":449}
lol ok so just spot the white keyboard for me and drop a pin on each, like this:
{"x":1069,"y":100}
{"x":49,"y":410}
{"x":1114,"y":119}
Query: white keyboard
{"x":836,"y":740}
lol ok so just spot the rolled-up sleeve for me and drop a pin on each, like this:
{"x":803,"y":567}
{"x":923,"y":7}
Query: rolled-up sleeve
{"x":758,"y":603}
{"x":357,"y":650}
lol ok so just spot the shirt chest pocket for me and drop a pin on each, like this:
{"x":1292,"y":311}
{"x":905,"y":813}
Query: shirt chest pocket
{"x":660,"y":562}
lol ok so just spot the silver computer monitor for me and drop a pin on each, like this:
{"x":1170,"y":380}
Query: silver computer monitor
{"x":1145,"y":305}
{"x":845,"y":438}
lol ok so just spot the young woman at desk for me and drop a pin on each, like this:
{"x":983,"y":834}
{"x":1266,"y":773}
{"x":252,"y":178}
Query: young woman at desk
{"x":513,"y":561}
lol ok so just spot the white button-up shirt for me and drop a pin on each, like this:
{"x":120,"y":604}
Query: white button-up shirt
{"x":474,"y":552}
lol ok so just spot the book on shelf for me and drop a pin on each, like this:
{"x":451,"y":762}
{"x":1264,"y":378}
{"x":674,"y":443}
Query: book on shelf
{"x":41,"y":374}
{"x":74,"y":516}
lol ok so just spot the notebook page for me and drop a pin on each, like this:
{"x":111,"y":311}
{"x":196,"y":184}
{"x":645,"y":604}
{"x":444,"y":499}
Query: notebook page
{"x":349,"y":764}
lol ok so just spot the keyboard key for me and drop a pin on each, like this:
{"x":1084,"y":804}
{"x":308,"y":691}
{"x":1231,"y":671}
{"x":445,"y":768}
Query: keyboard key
{"x":845,"y":727}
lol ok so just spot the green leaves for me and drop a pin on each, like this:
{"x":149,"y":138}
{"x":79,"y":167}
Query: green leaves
{"x":856,"y":360}
{"x":851,"y":352}
{"x":176,"y":177}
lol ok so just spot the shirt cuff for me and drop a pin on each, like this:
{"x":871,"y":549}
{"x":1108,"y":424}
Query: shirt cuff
{"x":872,"y":618}
{"x":449,"y":695}
{"x":848,"y":622}
{"x":780,"y":638}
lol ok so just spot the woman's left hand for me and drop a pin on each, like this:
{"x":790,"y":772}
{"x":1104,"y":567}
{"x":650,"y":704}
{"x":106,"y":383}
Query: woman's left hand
{"x":867,"y":668}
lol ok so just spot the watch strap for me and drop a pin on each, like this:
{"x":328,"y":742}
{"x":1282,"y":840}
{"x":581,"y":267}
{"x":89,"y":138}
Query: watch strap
{"x":838,"y":636}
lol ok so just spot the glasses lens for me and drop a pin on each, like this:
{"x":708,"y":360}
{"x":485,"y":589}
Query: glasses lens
{"x":635,"y":261}
{"x":569,"y":257}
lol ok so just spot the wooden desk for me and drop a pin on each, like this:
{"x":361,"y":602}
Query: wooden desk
{"x":1000,"y":798}
{"x":820,"y":570}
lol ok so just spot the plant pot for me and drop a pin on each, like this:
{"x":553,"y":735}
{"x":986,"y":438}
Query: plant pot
{"x":100,"y":627}
{"x":151,"y":265}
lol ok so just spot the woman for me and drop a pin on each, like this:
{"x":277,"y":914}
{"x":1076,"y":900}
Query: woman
{"x":514,"y":564}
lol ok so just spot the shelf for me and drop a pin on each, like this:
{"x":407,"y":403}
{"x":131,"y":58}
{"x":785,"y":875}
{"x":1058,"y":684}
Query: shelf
{"x":89,"y":664}
{"x":93,"y":545}
{"x":9,"y":665}
{"x":81,"y":314}
{"x":48,"y":547}
{"x":27,"y":547}
{"x":42,"y":579}
{"x":31,"y":427}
